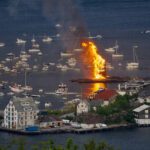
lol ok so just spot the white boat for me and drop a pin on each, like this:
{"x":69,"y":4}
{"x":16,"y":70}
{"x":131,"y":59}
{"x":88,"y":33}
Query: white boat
{"x":75,"y":125}
{"x":58,"y":25}
{"x":87,"y":126}
{"x":78,"y":49}
{"x":35,"y":45}
{"x":47,"y":39}
{"x":72,"y":62}
{"x":135,"y":63}
{"x":2,"y":44}
{"x":116,"y":54}
{"x":64,"y":68}
{"x":110,"y":50}
{"x":65,"y":54}
{"x":16,"y":88}
{"x":37,"y":102}
{"x":94,"y":37}
{"x":62,"y":89}
{"x":20,"y":41}
{"x":27,"y":88}
{"x":34,"y":50}
{"x":40,"y":53}
{"x":33,"y":40}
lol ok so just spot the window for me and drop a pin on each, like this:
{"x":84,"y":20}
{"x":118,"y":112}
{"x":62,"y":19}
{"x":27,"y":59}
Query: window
{"x":146,"y":116}
{"x":146,"y":111}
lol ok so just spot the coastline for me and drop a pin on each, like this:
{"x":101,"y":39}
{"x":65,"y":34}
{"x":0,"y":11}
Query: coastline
{"x":64,"y":130}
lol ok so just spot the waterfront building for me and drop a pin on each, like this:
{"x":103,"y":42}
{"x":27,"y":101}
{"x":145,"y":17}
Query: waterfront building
{"x":142,"y":115}
{"x":103,"y":98}
{"x":83,"y":107}
{"x":20,"y":113}
{"x":46,"y":121}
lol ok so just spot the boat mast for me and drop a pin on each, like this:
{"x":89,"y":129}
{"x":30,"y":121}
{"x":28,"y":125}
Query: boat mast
{"x":116,"y":47}
{"x":135,"y":59}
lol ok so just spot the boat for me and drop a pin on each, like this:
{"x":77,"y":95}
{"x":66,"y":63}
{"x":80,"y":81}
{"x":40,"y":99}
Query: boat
{"x":87,"y":126}
{"x":135,"y":63}
{"x":78,"y":49}
{"x":65,"y":54}
{"x":35,"y":45}
{"x":72,"y":62}
{"x":62,"y":89}
{"x":110,"y":50}
{"x":20,"y":41}
{"x":75,"y":125}
{"x":94,"y":37}
{"x":33,"y":40}
{"x":2,"y":44}
{"x":37,"y":102}
{"x":16,"y":88}
{"x":64,"y":68}
{"x":40,"y":53}
{"x":47,"y":39}
{"x":34,"y":50}
{"x":116,"y":54}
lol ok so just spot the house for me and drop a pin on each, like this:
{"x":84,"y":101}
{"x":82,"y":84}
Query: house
{"x":20,"y":113}
{"x":142,"y":115}
{"x":47,"y":121}
{"x":103,"y":97}
{"x":83,"y":107}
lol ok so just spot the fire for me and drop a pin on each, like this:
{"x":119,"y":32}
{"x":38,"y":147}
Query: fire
{"x":95,"y":62}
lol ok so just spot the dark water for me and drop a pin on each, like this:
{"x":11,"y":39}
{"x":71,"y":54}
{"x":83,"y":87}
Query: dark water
{"x":113,"y":19}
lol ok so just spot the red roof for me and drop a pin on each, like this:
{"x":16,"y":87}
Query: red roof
{"x":105,"y":95}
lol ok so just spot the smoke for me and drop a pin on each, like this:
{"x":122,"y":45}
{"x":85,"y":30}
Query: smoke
{"x":67,"y":14}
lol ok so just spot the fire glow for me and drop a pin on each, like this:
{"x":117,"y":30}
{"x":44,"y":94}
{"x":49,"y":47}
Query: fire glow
{"x":91,"y":58}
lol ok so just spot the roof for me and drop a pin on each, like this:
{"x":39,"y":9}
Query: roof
{"x":105,"y":95}
{"x":49,"y":119}
{"x":141,"y":108}
{"x":24,"y":104}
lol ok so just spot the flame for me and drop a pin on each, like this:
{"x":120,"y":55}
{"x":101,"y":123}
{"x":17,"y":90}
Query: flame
{"x":95,"y":62}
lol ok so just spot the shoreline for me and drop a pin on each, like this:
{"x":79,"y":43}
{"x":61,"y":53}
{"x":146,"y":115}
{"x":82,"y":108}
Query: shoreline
{"x":70,"y":130}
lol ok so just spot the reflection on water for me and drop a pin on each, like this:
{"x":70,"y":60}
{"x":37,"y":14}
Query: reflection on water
{"x":89,"y":89}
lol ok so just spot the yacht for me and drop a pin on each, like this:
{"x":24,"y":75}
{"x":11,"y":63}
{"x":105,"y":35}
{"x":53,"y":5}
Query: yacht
{"x":35,"y":45}
{"x":47,"y":39}
{"x":78,"y":50}
{"x":20,"y":41}
{"x":33,"y":40}
{"x":116,"y":54}
{"x":62,"y":89}
{"x":110,"y":50}
{"x":16,"y":88}
{"x":2,"y":44}
{"x":72,"y":62}
{"x":64,"y":68}
{"x":65,"y":54}
{"x":135,"y":63}
{"x":34,"y":50}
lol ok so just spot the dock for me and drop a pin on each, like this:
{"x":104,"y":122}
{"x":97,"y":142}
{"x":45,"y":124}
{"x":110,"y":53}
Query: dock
{"x":69,"y":129}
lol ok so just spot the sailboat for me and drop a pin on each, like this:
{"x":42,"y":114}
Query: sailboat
{"x":116,"y":54}
{"x":135,"y":63}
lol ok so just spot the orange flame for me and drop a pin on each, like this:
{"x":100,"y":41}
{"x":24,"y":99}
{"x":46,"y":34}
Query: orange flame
{"x":95,"y":62}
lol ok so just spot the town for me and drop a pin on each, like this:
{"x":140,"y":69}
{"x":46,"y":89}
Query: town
{"x":104,"y":109}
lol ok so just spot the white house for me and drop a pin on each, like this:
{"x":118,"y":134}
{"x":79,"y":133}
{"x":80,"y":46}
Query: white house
{"x":20,"y":113}
{"x":142,"y":115}
{"x":83,"y":107}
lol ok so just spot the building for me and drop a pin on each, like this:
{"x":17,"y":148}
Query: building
{"x":83,"y":107}
{"x":20,"y":113}
{"x":47,"y":121}
{"x":103,"y":97}
{"x":142,"y":115}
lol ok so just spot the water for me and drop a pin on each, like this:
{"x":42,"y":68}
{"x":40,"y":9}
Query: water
{"x":113,"y":19}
